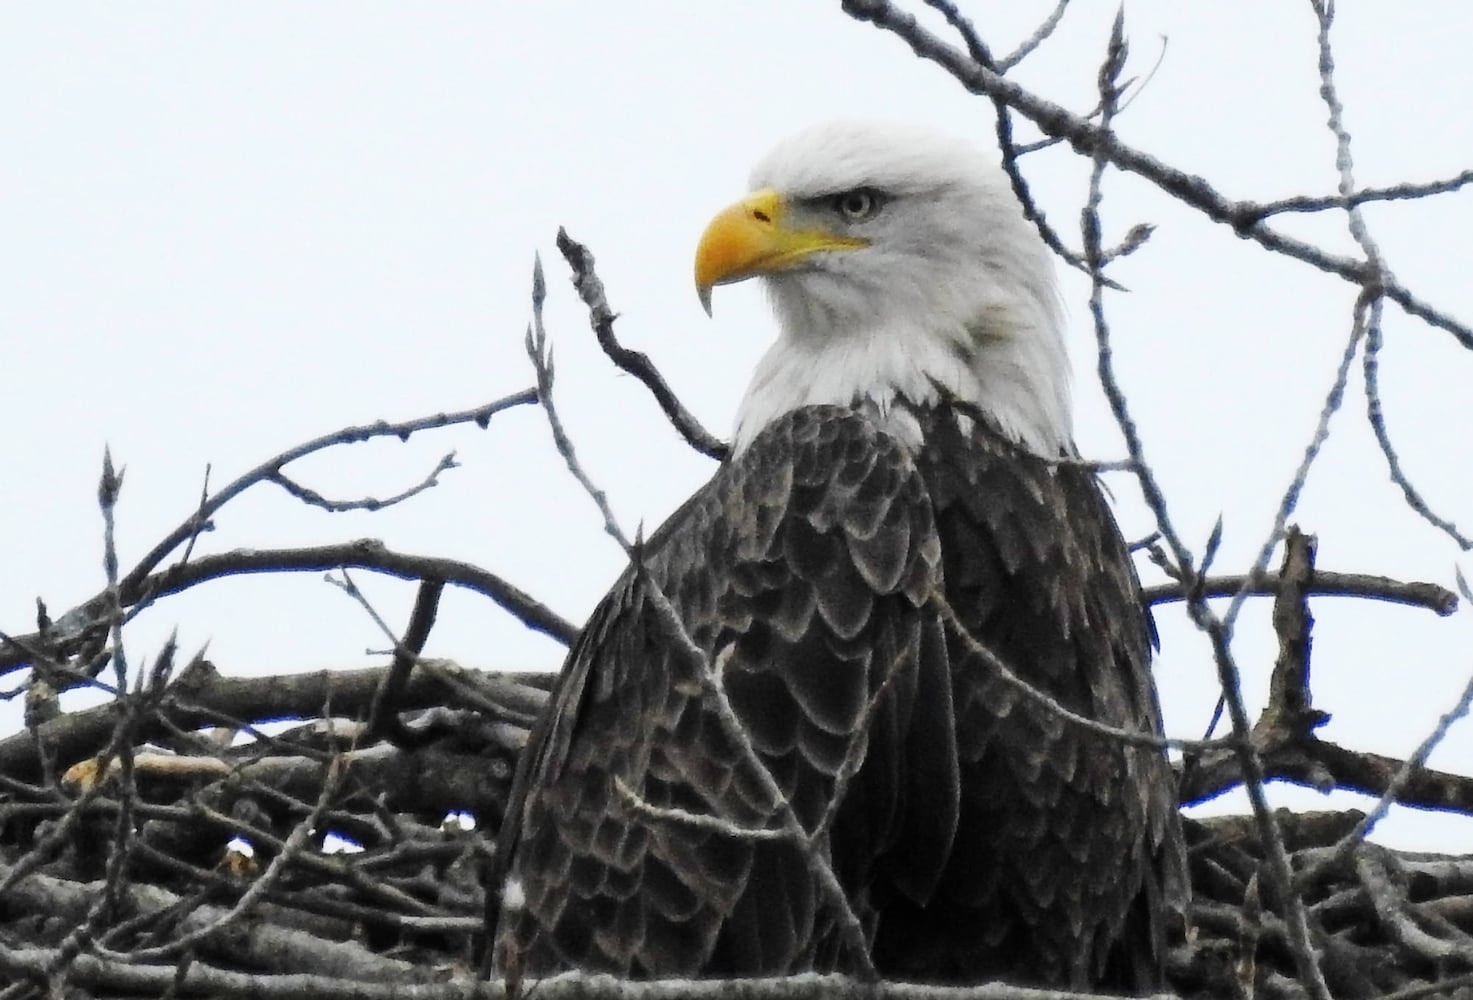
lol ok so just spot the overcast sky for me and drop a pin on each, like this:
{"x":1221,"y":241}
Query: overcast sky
{"x":227,"y":228}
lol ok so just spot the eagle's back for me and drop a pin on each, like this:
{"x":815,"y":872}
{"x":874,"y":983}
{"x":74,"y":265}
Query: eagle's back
{"x":983,"y":837}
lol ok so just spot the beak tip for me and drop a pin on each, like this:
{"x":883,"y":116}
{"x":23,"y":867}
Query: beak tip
{"x":703,"y":292}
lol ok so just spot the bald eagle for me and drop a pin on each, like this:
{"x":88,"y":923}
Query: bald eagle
{"x":900,"y":473}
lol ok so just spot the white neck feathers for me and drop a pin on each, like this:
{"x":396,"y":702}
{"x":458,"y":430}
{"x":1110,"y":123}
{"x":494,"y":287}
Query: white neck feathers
{"x":952,"y":287}
{"x":1009,"y":361}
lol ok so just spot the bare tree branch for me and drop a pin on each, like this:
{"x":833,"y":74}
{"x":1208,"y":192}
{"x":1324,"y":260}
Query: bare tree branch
{"x":591,"y":291}
{"x":1090,"y":139}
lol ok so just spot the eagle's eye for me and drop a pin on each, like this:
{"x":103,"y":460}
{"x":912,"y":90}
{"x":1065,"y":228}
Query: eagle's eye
{"x":859,"y":204}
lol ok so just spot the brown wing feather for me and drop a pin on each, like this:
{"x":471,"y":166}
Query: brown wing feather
{"x":801,"y":570}
{"x":1072,"y":866}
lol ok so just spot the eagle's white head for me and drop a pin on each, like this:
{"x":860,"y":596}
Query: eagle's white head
{"x":895,"y":259}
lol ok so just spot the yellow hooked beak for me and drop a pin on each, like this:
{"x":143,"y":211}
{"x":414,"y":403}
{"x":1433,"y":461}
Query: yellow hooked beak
{"x":750,"y":238}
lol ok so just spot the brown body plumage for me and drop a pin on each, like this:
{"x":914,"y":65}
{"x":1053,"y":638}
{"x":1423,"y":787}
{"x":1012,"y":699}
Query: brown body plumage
{"x":984,"y":836}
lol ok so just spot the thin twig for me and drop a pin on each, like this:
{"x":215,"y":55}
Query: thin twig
{"x":480,"y":416}
{"x":995,"y":663}
{"x":1334,"y":399}
{"x":1376,"y":416}
{"x":1033,"y":41}
{"x":979,"y":51}
{"x":540,"y":353}
{"x":121,"y":844}
{"x":591,"y":291}
{"x":314,"y":499}
{"x":1408,"y":191}
{"x":696,"y":821}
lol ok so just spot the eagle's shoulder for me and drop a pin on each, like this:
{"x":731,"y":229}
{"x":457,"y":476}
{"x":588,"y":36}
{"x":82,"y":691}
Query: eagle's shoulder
{"x":798,"y":571}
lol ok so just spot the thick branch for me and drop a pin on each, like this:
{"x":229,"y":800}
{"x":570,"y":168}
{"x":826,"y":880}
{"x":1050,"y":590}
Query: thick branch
{"x":202,"y":697}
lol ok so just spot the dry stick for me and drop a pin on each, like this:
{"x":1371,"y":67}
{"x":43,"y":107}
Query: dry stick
{"x":1201,"y":614}
{"x":696,"y":821}
{"x":108,"y":488}
{"x":1334,"y":399}
{"x":1324,"y":765}
{"x":331,"y":868}
{"x":1399,"y":925}
{"x":372,"y":554}
{"x":1095,"y":140}
{"x":311,"y":902}
{"x":1287,"y":718}
{"x":829,"y":886}
{"x":202,"y":523}
{"x":1355,"y":220}
{"x":1376,"y":416}
{"x":854,"y":754}
{"x":258,"y":945}
{"x":422,"y":619}
{"x":334,"y":868}
{"x":202,"y":697}
{"x":636,"y":363}
{"x":383,"y":715}
{"x":995,"y":663}
{"x":1416,"y":594}
{"x":1290,"y":701}
{"x":539,"y":350}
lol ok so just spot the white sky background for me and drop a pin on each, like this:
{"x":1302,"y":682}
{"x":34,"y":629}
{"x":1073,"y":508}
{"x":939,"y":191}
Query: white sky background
{"x":228,"y":228}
